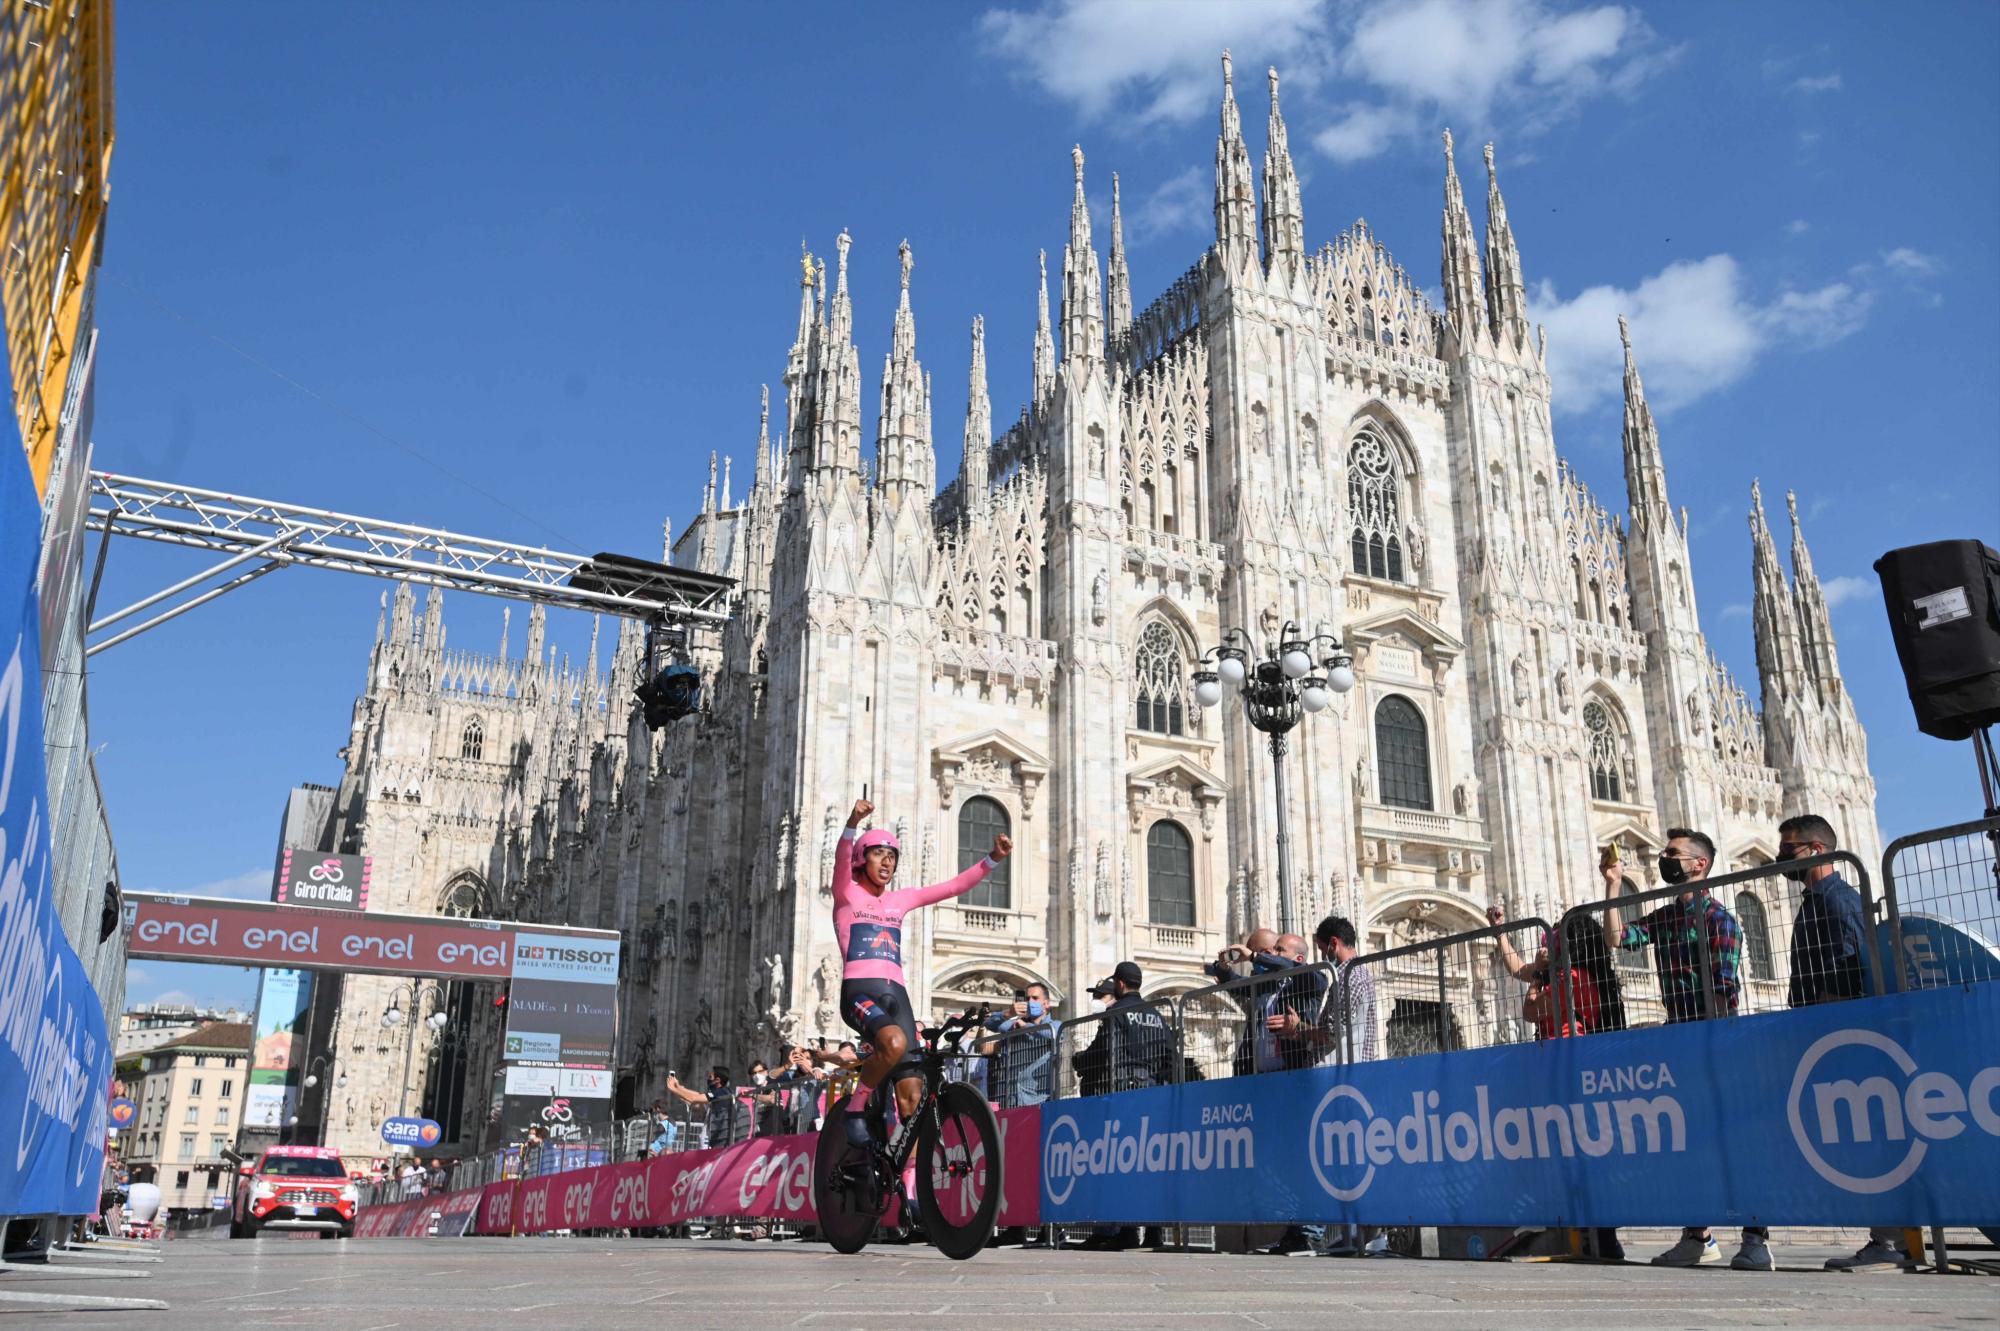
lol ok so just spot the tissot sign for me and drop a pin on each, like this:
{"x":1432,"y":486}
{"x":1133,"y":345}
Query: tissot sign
{"x":255,"y":933}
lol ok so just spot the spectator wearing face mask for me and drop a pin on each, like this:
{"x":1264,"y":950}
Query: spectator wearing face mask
{"x":1022,"y":1069}
{"x":728,"y":1116}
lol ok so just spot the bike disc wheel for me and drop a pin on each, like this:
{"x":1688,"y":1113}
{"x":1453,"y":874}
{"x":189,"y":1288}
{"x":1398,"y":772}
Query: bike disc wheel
{"x":958,"y":1172}
{"x":842,"y":1184}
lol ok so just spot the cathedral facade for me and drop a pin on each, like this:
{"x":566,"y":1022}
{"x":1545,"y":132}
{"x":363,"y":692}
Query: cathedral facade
{"x":1284,"y":435}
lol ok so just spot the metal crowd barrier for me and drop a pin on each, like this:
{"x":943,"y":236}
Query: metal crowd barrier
{"x":1950,"y":875}
{"x":1019,"y":1065}
{"x":1469,"y":990}
{"x":1118,"y":1049}
{"x":1764,"y":960}
{"x":1224,"y":1028}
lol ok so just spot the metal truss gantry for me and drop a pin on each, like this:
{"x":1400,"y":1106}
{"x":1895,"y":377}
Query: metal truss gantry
{"x":281,"y":535}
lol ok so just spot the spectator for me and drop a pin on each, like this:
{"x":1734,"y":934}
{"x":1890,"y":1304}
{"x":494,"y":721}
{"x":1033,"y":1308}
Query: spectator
{"x":767,"y":1111}
{"x":1681,"y":932}
{"x":1829,"y":961}
{"x":1023,"y":1051}
{"x":666,"y":1134}
{"x":1257,"y":953}
{"x":1555,"y":1016}
{"x":799,"y":1085}
{"x":728,"y":1118}
{"x":434,"y":1177}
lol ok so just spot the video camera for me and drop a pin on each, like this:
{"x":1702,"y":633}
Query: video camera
{"x":1223,"y":968}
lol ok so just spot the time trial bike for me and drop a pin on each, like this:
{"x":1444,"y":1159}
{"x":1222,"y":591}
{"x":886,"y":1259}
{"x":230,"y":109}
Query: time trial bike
{"x":954,"y":1139}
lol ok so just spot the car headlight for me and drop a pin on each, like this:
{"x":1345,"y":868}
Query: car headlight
{"x":350,"y":1193}
{"x":262,"y":1189}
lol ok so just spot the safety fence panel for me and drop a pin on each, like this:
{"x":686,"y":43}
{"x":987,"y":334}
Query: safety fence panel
{"x":1019,"y":1065}
{"x":1118,"y":1049}
{"x":1941,"y":891}
{"x":1469,"y":990}
{"x":1273,"y":1021}
{"x":1738,"y":944}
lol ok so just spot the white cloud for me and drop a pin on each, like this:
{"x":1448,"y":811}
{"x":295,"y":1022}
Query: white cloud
{"x":1363,"y":131}
{"x":1161,"y":55}
{"x":1694,"y":329}
{"x":1841,"y":590}
{"x":1903,"y":259}
{"x":1737,"y":611}
{"x":1404,"y":69}
{"x":1798,"y":226}
{"x":1181,"y":202}
{"x":1817,"y":83}
{"x":251,"y":884}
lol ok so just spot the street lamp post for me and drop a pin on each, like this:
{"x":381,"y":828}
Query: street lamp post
{"x":1277,"y":690}
{"x":393,"y":1016}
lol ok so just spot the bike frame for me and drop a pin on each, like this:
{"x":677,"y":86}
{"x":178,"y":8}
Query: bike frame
{"x":932,"y":1058}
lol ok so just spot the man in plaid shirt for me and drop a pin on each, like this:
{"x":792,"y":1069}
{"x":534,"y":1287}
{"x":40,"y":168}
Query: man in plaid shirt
{"x":1676,"y":929}
{"x":1677,"y":932}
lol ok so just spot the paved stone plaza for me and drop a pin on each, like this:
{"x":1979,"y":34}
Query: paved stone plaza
{"x":582,"y":1283}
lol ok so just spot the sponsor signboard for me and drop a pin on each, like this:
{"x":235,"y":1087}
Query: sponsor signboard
{"x":55,"y":1057}
{"x":257,"y":933}
{"x":1882,"y":1111}
{"x":563,"y":1003}
{"x":283,"y":997}
{"x":123,"y":1111}
{"x":315,"y":878}
{"x":421,"y":1133}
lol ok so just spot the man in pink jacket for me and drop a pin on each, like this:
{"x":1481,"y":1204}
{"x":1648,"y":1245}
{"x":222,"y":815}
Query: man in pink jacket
{"x":868,"y":924}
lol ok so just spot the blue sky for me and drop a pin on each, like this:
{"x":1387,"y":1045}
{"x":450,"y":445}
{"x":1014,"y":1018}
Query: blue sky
{"x":496,"y":271}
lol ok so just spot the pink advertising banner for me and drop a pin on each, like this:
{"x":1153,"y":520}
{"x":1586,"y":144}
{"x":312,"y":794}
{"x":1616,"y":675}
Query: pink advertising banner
{"x":766,"y":1177}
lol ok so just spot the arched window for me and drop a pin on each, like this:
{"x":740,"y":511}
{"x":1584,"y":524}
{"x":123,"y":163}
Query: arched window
{"x":1169,"y":875}
{"x":1607,"y":753}
{"x":1402,"y":754}
{"x":472,"y":743}
{"x":979,"y":821}
{"x":1160,"y":689}
{"x":1756,"y":935}
{"x":1375,"y":504}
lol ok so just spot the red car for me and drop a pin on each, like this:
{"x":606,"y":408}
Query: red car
{"x":295,"y":1187}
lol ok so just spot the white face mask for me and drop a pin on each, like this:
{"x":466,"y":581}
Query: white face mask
{"x":763,"y":1077}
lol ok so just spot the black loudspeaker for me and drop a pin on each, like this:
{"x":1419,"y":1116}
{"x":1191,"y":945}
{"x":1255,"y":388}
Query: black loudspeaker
{"x":1944,"y":610}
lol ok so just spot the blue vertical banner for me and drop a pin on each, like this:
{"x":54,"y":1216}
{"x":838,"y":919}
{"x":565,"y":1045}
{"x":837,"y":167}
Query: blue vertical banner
{"x":55,"y":1058}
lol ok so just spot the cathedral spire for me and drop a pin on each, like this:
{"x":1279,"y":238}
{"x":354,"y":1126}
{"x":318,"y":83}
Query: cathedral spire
{"x":506,"y":625}
{"x":1772,"y":612}
{"x":1284,"y":218}
{"x":1045,"y":338}
{"x":1464,"y":301}
{"x":590,"y":665}
{"x":1083,"y":307}
{"x":760,"y":478}
{"x":972,"y":474}
{"x":434,"y":621}
{"x":1506,"y":297}
{"x":1121,"y":276}
{"x":726,"y":504}
{"x":837,"y":394}
{"x":1235,"y":192}
{"x":904,"y":468}
{"x":705,"y":551}
{"x":1645,"y":468}
{"x":1815,"y":623}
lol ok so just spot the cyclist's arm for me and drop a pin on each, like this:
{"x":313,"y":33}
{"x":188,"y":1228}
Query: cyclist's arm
{"x":911,"y":898}
{"x":843,"y":858}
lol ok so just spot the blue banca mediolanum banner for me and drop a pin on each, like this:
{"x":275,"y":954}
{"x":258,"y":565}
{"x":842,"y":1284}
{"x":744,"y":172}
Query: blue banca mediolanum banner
{"x":1881,"y":1111}
{"x":55,"y":1059}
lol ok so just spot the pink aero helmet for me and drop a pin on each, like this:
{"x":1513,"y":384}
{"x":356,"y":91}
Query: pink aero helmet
{"x":874,"y":836}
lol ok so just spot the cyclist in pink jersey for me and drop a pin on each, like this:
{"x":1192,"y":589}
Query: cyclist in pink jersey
{"x":868,"y":923}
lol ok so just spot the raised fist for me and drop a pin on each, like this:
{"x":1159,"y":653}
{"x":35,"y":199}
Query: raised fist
{"x":1494,"y":914}
{"x":862,"y":808}
{"x":1003,"y":846}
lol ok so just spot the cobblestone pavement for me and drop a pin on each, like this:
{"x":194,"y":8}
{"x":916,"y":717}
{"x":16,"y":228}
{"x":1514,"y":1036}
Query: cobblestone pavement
{"x":564,"y":1283}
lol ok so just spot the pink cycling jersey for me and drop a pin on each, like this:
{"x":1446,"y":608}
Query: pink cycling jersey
{"x":869,"y":926}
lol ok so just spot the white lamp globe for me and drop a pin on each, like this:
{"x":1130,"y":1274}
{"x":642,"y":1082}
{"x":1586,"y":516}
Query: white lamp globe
{"x":1208,"y":691}
{"x":312,"y":1080}
{"x":1296,"y":663}
{"x":1315,"y":698}
{"x":340,"y":1082}
{"x":1230,"y":667}
{"x":393,"y":1017}
{"x":1341,"y":678}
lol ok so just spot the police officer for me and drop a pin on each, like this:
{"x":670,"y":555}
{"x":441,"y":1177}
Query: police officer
{"x":1134,"y":1047}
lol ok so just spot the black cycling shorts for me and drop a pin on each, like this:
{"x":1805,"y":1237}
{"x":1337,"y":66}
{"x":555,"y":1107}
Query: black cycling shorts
{"x":870,"y":1006}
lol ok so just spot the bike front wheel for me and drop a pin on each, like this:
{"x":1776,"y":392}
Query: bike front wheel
{"x":958,"y":1172}
{"x":846,"y":1194}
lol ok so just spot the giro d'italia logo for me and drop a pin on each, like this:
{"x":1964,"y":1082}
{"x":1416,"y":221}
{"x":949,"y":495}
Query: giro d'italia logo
{"x":1864,"y":1115}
